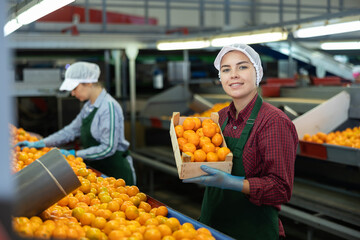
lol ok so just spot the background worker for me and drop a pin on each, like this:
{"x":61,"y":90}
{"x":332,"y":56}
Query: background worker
{"x":100,"y":125}
{"x":263,"y":140}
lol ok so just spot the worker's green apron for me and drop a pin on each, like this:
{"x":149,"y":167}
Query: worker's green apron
{"x":114,"y":166}
{"x":231,"y":212}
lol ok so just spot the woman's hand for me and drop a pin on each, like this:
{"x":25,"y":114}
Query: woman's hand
{"x":218,"y":178}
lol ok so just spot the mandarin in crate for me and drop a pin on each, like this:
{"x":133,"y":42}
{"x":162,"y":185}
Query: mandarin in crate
{"x":179,"y":130}
{"x":217,"y":139}
{"x":204,"y":140}
{"x":189,"y":147}
{"x":212,"y":157}
{"x":199,"y":156}
{"x":209,"y":130}
{"x":188,"y":133}
{"x":189,"y":123}
{"x":208,"y":147}
{"x":222,"y":153}
{"x":197,"y":123}
{"x":194,"y":139}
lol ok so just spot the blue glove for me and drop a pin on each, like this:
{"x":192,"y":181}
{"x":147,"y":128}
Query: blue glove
{"x":218,"y":178}
{"x":37,"y":144}
{"x":67,"y":152}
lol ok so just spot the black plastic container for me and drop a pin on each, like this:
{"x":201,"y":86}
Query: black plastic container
{"x":43,"y":183}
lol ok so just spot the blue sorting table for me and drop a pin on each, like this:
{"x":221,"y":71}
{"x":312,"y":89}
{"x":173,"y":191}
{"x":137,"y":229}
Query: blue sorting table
{"x":183,"y":218}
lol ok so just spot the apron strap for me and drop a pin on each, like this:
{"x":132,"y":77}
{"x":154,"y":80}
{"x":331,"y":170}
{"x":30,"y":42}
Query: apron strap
{"x":249,"y":123}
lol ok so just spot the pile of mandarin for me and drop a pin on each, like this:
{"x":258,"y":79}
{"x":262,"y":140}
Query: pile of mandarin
{"x":101,"y":208}
{"x":217,"y":107}
{"x":350,"y":137}
{"x":201,"y":140}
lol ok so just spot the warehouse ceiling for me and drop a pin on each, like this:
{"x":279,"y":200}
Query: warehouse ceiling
{"x":116,"y":24}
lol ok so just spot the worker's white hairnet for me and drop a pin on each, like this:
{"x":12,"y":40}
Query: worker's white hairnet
{"x":248,"y":51}
{"x":80,"y":72}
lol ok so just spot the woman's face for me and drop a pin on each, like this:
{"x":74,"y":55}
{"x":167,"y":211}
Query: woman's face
{"x":82,"y":91}
{"x":237,"y":75}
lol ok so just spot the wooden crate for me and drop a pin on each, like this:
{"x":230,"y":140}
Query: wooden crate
{"x":187,"y":169}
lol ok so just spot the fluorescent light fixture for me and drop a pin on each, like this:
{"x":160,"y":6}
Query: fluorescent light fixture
{"x":340,"y":45}
{"x":249,"y":38}
{"x":11,"y":26}
{"x":183,"y":44}
{"x":32,"y":11}
{"x":328,"y":29}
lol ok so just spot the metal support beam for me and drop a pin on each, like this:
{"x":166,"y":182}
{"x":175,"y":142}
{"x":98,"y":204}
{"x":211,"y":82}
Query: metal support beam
{"x":104,"y":17}
{"x":227,"y":13}
{"x":6,"y":182}
{"x":116,"y":55}
{"x":131,"y":53}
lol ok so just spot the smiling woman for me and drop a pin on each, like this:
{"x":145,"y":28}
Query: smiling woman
{"x":245,"y":203}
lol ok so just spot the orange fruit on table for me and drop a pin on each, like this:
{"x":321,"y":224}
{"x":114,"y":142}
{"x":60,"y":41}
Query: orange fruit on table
{"x":152,"y":234}
{"x":144,"y":205}
{"x":113,"y":206}
{"x":209,"y":130}
{"x":217,"y":139}
{"x":194,"y":139}
{"x":87,"y":218}
{"x":116,"y":234}
{"x":204,"y":231}
{"x":173,"y":223}
{"x":199,"y":156}
{"x":162,"y":211}
{"x":208,"y":147}
{"x":98,"y":222}
{"x":165,"y":230}
{"x":131,"y":212}
{"x":77,"y":212}
{"x":222,"y":153}
{"x":187,"y":133}
{"x":197,"y":123}
{"x":143,"y":217}
{"x":212,"y":157}
{"x":142,"y":196}
{"x":132,"y":191}
{"x":189,"y":123}
{"x":179,"y":130}
{"x":189,"y":147}
{"x":125,"y":205}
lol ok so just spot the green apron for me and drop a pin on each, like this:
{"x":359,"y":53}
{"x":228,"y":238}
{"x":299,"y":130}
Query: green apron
{"x":230,"y":211}
{"x":114,"y":166}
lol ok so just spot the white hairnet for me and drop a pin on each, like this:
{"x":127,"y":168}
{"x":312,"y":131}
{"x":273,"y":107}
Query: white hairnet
{"x":80,"y":72}
{"x":248,"y":51}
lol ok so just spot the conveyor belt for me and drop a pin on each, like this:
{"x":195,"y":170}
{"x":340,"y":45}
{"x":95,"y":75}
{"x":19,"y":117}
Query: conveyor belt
{"x":336,"y":203}
{"x":317,"y":205}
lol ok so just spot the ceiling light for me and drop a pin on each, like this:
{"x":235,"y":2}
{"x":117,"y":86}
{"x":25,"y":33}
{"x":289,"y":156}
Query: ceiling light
{"x":11,"y":26}
{"x":32,"y":11}
{"x":340,"y":45}
{"x":249,"y":38}
{"x":183,"y":44}
{"x":328,"y":29}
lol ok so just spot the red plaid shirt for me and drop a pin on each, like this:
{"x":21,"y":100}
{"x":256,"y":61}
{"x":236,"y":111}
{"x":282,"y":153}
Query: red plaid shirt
{"x":269,"y":154}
